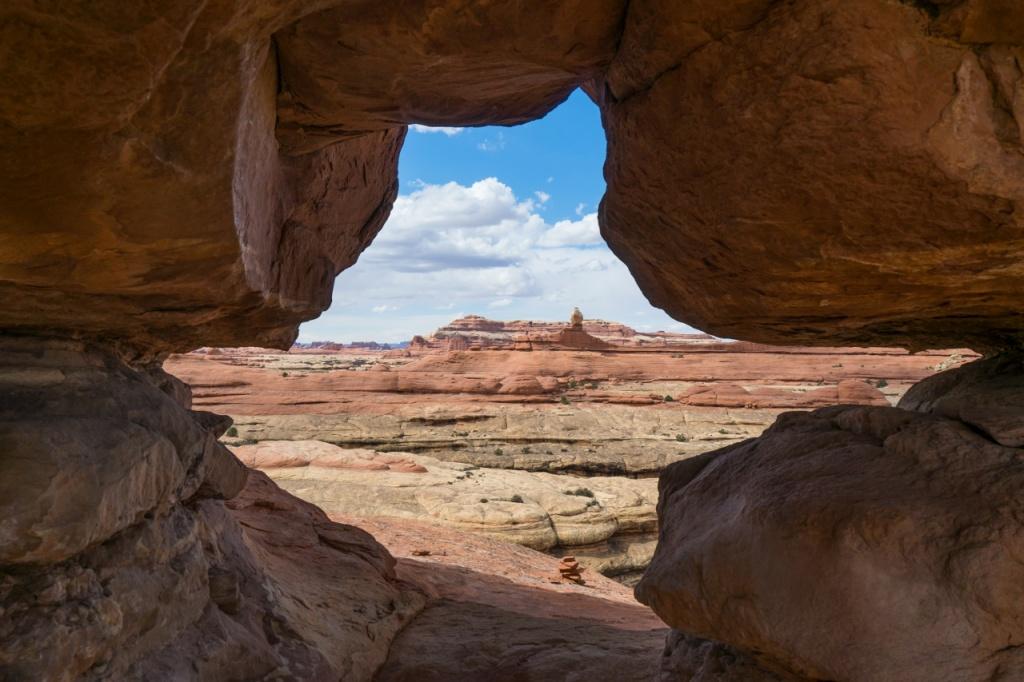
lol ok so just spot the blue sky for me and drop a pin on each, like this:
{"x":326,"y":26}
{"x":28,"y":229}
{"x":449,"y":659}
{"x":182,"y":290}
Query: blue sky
{"x":494,"y":221}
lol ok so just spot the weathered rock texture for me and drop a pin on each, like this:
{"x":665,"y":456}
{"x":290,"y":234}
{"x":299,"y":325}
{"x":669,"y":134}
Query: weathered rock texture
{"x":437,"y":62}
{"x":822,"y":169}
{"x":850,"y":543}
{"x":119,"y":559}
{"x":987,"y":394}
{"x":175,"y":174}
{"x":613,"y":518}
{"x":180,"y":174}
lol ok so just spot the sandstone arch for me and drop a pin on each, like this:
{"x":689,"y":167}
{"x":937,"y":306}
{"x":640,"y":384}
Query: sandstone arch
{"x":187,"y":173}
{"x":772,"y":166}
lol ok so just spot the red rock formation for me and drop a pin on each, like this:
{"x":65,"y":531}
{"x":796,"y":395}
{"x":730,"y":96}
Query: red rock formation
{"x":799,"y":159}
{"x":178,"y":174}
{"x":817,"y":544}
{"x":121,"y":561}
{"x":716,"y":377}
{"x":486,"y":333}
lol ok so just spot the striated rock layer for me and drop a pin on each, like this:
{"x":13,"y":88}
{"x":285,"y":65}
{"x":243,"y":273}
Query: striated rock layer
{"x":611,"y":518}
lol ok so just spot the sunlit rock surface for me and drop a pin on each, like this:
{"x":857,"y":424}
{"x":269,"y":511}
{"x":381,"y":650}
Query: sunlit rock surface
{"x":613,"y":517}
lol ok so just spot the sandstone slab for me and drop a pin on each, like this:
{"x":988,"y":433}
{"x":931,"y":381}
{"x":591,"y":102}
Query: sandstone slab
{"x":537,"y":510}
{"x":988,"y":394}
{"x":861,"y":543}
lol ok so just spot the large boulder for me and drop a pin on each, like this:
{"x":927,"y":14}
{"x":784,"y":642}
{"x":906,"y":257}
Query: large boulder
{"x":850,"y":543}
{"x":988,"y":394}
{"x":120,"y":559}
{"x":145,"y":194}
{"x":91,"y":447}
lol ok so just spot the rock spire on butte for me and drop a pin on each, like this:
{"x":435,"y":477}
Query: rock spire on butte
{"x":576,"y":319}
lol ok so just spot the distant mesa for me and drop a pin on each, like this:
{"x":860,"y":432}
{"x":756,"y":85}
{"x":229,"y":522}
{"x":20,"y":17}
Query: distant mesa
{"x":355,"y":345}
{"x":474,"y":332}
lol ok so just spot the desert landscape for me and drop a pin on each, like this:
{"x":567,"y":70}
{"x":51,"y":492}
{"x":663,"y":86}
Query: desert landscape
{"x":824,"y":487}
{"x":550,"y":435}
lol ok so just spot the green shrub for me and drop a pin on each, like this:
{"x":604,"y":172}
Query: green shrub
{"x":517,"y":498}
{"x":572,"y":383}
{"x":232,"y":432}
{"x":669,"y":399}
{"x":499,"y":452}
{"x":483,"y":500}
{"x":581,"y":492}
{"x":682,"y":437}
{"x":882,"y":383}
{"x":564,"y":400}
{"x":284,"y":374}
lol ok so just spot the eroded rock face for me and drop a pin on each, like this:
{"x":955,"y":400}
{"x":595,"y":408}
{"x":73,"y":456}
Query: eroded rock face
{"x":614,"y":516}
{"x":437,"y":62}
{"x":146,"y":194}
{"x":91,"y":447}
{"x":177,"y":174}
{"x":857,"y":543}
{"x":821,"y":169}
{"x":988,"y":394}
{"x":119,"y":558}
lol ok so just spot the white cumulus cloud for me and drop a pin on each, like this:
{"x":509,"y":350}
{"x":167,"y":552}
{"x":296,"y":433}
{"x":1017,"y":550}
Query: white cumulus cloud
{"x":476,"y":248}
{"x":446,"y":130}
{"x":582,"y":232}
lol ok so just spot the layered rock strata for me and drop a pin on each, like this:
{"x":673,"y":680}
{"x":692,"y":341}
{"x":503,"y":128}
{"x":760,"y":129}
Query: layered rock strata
{"x":612,"y":519}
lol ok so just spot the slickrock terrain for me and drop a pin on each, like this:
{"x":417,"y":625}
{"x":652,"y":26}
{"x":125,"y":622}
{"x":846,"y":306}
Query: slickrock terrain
{"x":180,"y":174}
{"x":609,"y":521}
{"x":483,"y":427}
